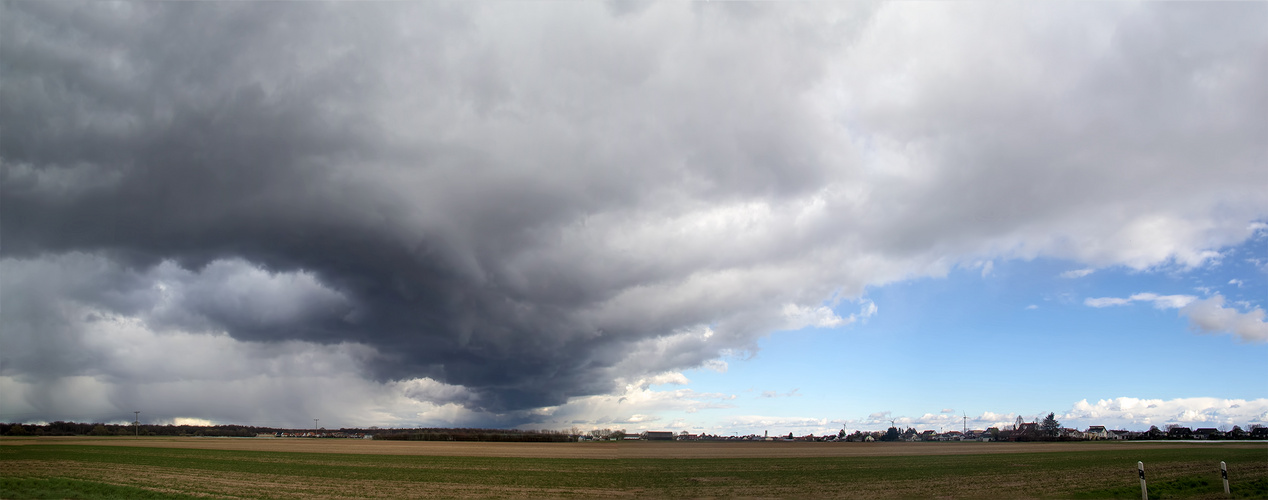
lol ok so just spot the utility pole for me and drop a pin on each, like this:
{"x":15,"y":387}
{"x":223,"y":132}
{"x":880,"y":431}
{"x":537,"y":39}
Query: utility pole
{"x":315,"y":426}
{"x":136,"y":422}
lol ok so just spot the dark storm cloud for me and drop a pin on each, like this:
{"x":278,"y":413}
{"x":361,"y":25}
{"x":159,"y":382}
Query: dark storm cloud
{"x":530,"y":203}
{"x":199,"y":132}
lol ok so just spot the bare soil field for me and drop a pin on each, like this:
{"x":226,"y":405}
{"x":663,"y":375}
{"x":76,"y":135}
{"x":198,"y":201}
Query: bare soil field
{"x":275,"y":468}
{"x":621,"y":450}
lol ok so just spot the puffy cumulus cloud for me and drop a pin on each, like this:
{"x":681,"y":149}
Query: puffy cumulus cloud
{"x":1205,"y":315}
{"x":1210,"y":316}
{"x":822,"y":316}
{"x":798,"y":317}
{"x":1139,"y":414}
{"x":529,"y":205}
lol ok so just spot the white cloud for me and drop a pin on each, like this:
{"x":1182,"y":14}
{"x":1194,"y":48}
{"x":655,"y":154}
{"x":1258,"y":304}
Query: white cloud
{"x":1105,"y":302}
{"x":1159,"y":301}
{"x":776,"y":426}
{"x":716,"y":365}
{"x":797,"y":317}
{"x":1164,"y":301}
{"x":1077,"y":273}
{"x":1118,"y":413}
{"x":634,"y":409}
{"x":868,"y":309}
{"x":202,"y":422}
{"x":1139,"y":414}
{"x":1205,"y":315}
{"x":1210,"y":316}
{"x":667,"y":378}
{"x":821,"y":317}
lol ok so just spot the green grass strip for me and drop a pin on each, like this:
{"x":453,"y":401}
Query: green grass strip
{"x":57,"y":487}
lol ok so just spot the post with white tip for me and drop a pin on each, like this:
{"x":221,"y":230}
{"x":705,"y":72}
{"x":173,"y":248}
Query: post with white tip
{"x":1224,"y":473}
{"x":1144,"y":492}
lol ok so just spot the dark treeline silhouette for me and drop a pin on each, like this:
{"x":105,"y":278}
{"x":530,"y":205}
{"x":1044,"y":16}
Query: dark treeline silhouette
{"x":490,"y":435}
{"x":60,"y":428}
{"x":1022,"y":432}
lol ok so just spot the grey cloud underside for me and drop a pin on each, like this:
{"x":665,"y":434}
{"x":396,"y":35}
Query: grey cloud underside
{"x":511,"y":199}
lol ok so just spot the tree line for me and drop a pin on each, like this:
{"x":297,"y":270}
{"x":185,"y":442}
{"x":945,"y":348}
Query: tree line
{"x":61,"y":428}
{"x":480,"y":435}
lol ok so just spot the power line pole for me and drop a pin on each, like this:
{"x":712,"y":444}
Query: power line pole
{"x":136,"y":422}
{"x":315,"y":426}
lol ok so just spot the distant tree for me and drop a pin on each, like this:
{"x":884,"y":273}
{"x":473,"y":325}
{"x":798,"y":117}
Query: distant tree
{"x":1017,"y":425}
{"x":890,"y":435}
{"x":17,"y":430}
{"x":1237,"y":433}
{"x":841,"y":435}
{"x":1050,"y":427}
{"x":1154,"y":432}
{"x":100,"y":430}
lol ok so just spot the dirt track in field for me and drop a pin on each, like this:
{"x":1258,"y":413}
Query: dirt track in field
{"x":638,"y":449}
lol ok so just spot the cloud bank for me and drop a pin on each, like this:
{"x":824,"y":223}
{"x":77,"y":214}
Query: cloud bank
{"x":1205,"y":315}
{"x":476,"y":211}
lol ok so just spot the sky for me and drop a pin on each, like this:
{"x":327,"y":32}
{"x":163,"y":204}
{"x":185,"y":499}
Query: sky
{"x":715,"y":217}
